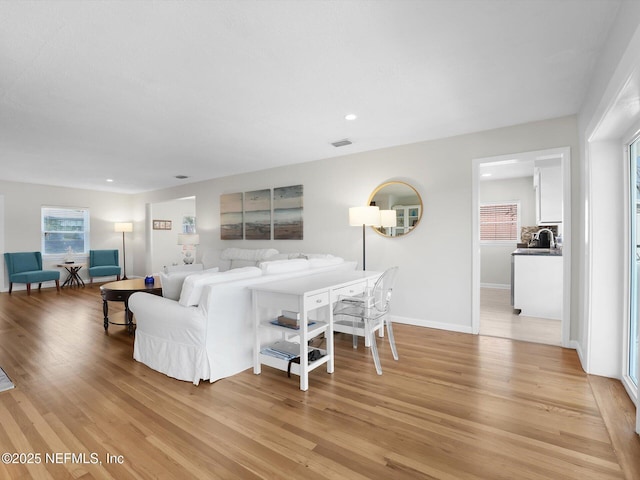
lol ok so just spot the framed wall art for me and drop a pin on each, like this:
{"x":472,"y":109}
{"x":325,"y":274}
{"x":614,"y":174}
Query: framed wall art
{"x":162,"y":224}
{"x":257,"y":215}
{"x":231,"y":219}
{"x":287,"y":213}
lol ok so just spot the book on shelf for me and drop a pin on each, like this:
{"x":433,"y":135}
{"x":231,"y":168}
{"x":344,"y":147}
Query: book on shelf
{"x":290,"y":320}
{"x":282,"y":350}
{"x":283,"y":321}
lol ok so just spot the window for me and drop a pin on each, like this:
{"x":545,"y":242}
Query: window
{"x":499,"y":222}
{"x":188,"y":224}
{"x":63,"y":228}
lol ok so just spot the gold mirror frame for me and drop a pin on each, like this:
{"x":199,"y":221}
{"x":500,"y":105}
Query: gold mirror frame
{"x":403,"y":198}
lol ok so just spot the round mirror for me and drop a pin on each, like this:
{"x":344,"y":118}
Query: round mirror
{"x":401,"y":208}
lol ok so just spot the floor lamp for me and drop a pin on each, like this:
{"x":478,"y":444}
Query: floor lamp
{"x":367,"y":217}
{"x":125,"y":227}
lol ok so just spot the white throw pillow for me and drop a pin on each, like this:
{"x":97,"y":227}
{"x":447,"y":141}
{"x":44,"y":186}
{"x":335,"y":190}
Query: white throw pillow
{"x":283,"y":266}
{"x":194,"y":283}
{"x":317,"y":262}
{"x":172,"y":282}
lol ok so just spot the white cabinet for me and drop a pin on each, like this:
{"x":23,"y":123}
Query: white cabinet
{"x":537,"y":285}
{"x":407,"y":217}
{"x":547,"y":181}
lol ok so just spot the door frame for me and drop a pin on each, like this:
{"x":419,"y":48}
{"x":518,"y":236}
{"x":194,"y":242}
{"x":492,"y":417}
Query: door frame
{"x":564,"y":153}
{"x":629,"y":259}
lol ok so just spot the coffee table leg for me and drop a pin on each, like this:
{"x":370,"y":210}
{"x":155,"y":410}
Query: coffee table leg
{"x":128,"y":316}
{"x":105,"y":310}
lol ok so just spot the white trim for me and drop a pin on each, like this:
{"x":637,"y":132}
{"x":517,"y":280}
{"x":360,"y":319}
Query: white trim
{"x":418,"y":322}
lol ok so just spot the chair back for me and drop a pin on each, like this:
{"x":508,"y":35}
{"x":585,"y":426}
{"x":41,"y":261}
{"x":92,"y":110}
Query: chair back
{"x":101,"y":258}
{"x":383,"y":288}
{"x":23,"y":262}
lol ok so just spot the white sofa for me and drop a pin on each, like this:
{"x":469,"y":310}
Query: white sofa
{"x":207,"y":333}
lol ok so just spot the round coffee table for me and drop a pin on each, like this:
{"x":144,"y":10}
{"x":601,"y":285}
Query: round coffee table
{"x":120,"y":291}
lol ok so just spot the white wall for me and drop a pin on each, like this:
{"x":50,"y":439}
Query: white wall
{"x":601,"y":251}
{"x":434,"y":285}
{"x":495,"y":259}
{"x":166,"y":250}
{"x":22,"y":218}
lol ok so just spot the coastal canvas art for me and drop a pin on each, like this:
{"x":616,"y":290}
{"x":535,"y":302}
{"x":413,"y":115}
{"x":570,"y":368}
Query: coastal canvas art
{"x":287,"y":213}
{"x":231,"y":216}
{"x":257,"y":215}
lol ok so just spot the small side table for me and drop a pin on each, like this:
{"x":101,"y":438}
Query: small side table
{"x":73,"y":277}
{"x":120,"y":291}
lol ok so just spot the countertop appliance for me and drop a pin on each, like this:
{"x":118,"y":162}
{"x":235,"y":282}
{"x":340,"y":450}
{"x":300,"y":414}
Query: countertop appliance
{"x":544,"y":239}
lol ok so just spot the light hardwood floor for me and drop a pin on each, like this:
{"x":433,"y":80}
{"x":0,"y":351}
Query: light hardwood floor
{"x":455,"y":406}
{"x":498,"y":319}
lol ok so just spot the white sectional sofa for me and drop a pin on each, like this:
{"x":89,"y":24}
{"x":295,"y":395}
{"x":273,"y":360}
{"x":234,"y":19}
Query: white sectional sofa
{"x":207,"y":332}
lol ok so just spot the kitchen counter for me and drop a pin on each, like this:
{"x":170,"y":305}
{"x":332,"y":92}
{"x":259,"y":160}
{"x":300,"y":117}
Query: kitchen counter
{"x":536,"y":282}
{"x":548,"y":252}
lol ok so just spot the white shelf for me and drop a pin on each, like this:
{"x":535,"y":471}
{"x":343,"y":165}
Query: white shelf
{"x":281,"y":364}
{"x":312,"y":330}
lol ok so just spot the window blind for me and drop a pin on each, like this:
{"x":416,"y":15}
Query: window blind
{"x":499,"y":222}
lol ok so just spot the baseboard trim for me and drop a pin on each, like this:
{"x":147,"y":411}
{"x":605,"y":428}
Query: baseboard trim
{"x":431,"y":324}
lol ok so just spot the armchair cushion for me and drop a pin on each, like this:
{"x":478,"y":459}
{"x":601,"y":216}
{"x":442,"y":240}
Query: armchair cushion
{"x":103,"y":263}
{"x":26,"y":267}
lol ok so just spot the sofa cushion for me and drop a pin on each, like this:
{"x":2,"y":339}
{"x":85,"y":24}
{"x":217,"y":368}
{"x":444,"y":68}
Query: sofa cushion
{"x":272,"y":267}
{"x":255,"y":254}
{"x":319,"y":262}
{"x":172,"y":282}
{"x":231,"y":258}
{"x":236,"y":263}
{"x":194,"y":283}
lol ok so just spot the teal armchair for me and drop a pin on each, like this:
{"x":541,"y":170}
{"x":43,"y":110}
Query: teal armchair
{"x":26,"y":267}
{"x":103,"y":263}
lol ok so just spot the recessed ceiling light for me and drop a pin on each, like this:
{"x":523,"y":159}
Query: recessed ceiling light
{"x":350,"y":116}
{"x":109,"y":180}
{"x":486,"y":174}
{"x":181,"y":177}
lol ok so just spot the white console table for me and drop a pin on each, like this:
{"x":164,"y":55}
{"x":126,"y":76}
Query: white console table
{"x":313,"y":294}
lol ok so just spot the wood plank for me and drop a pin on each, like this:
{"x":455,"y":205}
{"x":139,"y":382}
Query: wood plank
{"x":454,"y":406}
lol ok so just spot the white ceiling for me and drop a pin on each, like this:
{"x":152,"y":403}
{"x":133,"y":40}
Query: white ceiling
{"x":141,"y":91}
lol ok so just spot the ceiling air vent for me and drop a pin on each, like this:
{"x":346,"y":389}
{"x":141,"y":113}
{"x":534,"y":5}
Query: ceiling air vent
{"x":181,"y":177}
{"x":341,"y":143}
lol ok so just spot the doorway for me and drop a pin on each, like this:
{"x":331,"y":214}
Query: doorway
{"x":165,"y":220}
{"x":508,"y":180}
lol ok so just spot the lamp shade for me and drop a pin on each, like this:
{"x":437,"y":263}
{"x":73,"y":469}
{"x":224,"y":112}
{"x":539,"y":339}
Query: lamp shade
{"x":388,"y":218}
{"x":188,"y":239}
{"x":359,"y":216}
{"x":124,"y":227}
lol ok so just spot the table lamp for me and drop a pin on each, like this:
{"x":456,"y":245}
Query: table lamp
{"x":188,"y":242}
